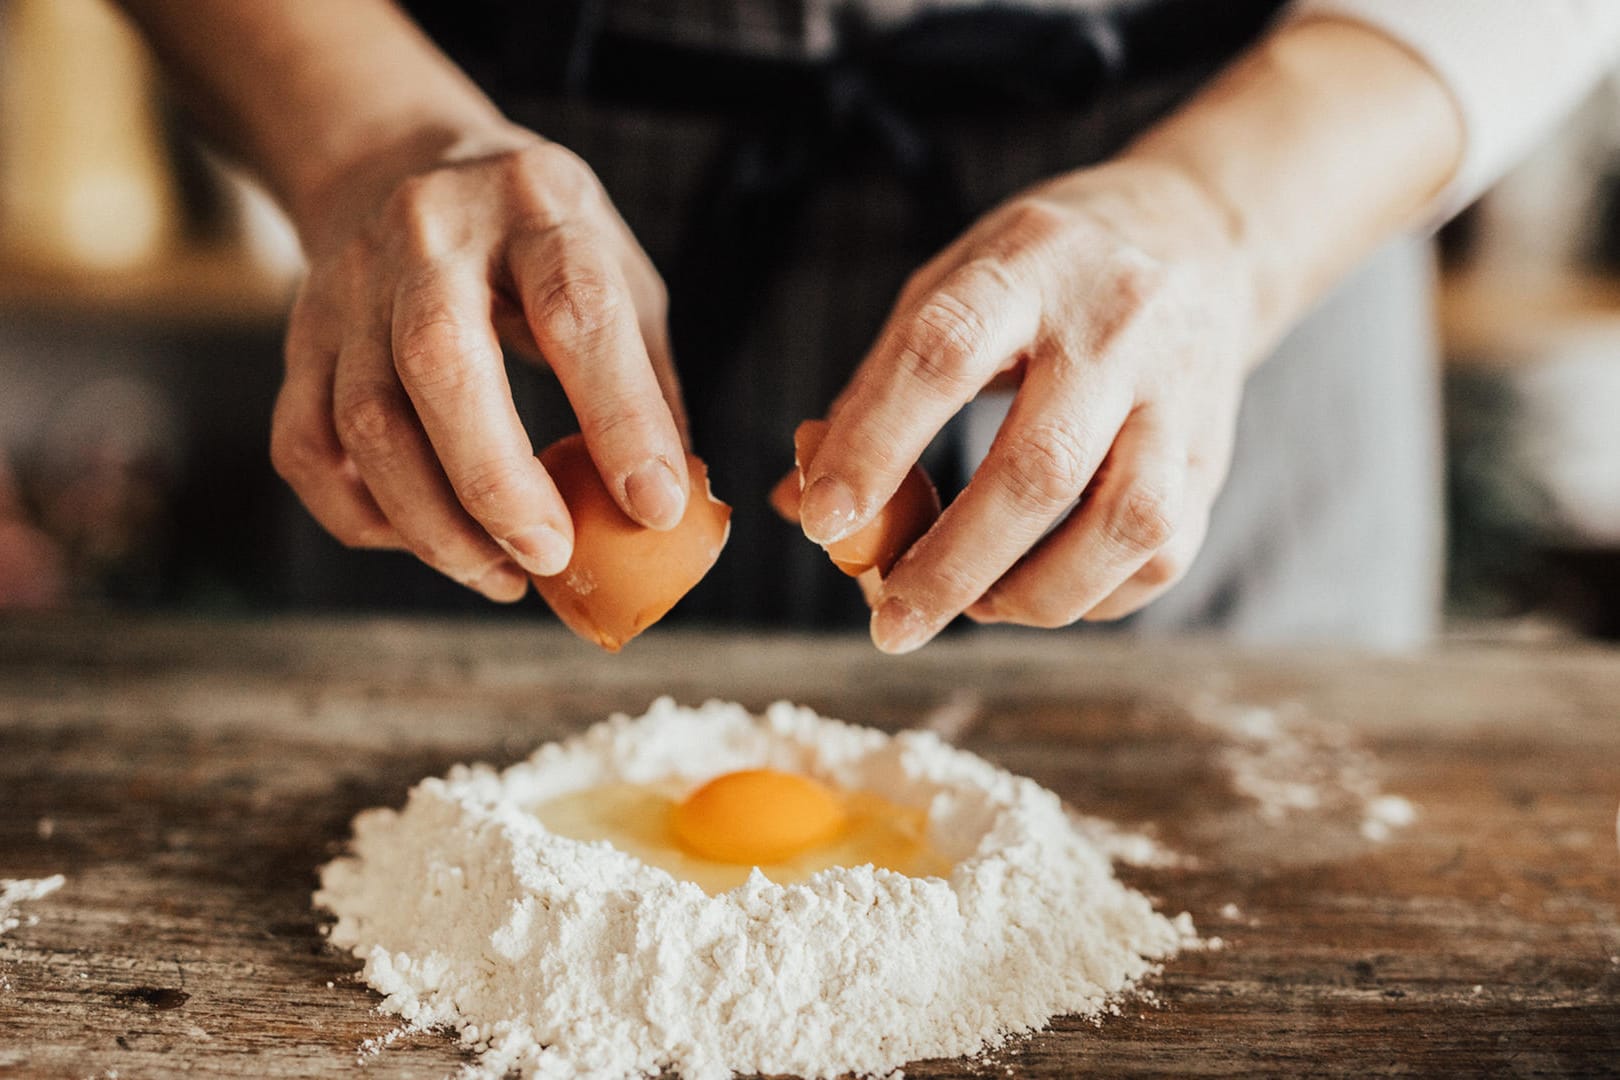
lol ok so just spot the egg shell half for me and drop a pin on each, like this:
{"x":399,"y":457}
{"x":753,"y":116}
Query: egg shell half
{"x":880,"y":543}
{"x":623,"y":576}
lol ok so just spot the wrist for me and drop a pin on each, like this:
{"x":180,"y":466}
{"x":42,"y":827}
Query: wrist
{"x":1323,"y":141}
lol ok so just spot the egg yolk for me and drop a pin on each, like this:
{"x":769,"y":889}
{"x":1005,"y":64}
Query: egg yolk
{"x":757,"y":816}
{"x":785,"y":826}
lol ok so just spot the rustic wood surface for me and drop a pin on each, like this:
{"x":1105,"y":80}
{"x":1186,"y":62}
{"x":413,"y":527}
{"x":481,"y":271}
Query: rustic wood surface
{"x":188,"y":778}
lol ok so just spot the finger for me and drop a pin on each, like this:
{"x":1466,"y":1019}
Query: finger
{"x":382,"y":436}
{"x":930,"y":361}
{"x":1046,"y":452}
{"x":584,"y":321}
{"x":655,"y":332}
{"x":449,"y":362}
{"x":304,"y":447}
{"x":1206,"y":470}
{"x":651,"y":299}
{"x":1167,"y":567}
{"x":1134,"y":513}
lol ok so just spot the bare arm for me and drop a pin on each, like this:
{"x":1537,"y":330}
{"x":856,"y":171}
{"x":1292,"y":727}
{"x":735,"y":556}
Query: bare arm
{"x":1323,"y":143}
{"x":307,"y":91}
{"x":432,"y":224}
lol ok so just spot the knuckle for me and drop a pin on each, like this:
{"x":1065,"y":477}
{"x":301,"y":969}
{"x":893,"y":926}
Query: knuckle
{"x":1054,"y":617}
{"x":577,"y":304}
{"x":1135,"y":278}
{"x":943,"y":344}
{"x":1144,"y":519}
{"x":424,"y":219}
{"x":1046,"y":468}
{"x":362,"y":535}
{"x":551,"y":181}
{"x":912,"y":287}
{"x":435,"y":552}
{"x":407,"y":210}
{"x":555,"y":162}
{"x":368,"y":423}
{"x":436,"y":351}
{"x":1114,"y":609}
{"x":1030,"y":221}
{"x":294,"y":454}
{"x":1128,"y":287}
{"x":1161,"y":570}
{"x":489,"y":489}
{"x":351,"y":537}
{"x":1044,"y":610}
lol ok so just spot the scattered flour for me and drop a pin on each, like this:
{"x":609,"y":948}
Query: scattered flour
{"x":1130,"y":848}
{"x":15,"y":891}
{"x":1287,"y":764}
{"x":553,"y":957}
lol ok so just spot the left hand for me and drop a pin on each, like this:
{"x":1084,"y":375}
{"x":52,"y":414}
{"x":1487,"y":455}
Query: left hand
{"x":1121,"y":303}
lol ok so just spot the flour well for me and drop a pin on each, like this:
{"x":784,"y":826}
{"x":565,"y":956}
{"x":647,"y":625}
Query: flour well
{"x":557,"y":957}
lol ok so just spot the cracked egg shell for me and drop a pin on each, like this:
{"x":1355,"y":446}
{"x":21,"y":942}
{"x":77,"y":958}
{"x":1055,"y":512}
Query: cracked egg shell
{"x":879,"y":545}
{"x":623,"y":576}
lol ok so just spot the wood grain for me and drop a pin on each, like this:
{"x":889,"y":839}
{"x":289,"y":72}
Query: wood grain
{"x":188,"y":778}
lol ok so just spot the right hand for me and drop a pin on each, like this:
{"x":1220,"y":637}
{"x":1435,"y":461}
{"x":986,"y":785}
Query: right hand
{"x":395,"y":424}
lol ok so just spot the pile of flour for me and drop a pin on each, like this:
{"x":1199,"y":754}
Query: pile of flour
{"x":555,"y":957}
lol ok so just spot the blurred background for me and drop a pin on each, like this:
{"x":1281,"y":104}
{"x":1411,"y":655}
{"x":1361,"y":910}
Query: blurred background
{"x":144,"y":287}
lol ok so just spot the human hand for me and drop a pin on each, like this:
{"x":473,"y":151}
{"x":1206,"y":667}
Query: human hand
{"x":395,"y":423}
{"x":1119,"y":302}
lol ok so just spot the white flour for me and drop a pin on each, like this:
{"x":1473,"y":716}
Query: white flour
{"x":555,"y":958}
{"x":15,"y":891}
{"x":1288,"y":763}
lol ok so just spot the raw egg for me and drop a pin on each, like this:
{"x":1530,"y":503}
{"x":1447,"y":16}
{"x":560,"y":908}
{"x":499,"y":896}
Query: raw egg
{"x":624,"y":577}
{"x":786,"y":825}
{"x":757,"y":816}
{"x":879,"y":545}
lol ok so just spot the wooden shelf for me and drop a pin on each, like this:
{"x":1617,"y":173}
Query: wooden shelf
{"x":202,"y":286}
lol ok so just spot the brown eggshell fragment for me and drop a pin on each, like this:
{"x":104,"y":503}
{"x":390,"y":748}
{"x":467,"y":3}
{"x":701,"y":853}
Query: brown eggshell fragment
{"x":624,"y":577}
{"x":879,"y":545}
{"x":784,"y":497}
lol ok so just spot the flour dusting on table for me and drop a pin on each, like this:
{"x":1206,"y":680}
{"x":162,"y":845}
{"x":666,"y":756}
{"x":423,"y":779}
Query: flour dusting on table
{"x":16,"y":891}
{"x":556,"y":957}
{"x":1289,"y":763}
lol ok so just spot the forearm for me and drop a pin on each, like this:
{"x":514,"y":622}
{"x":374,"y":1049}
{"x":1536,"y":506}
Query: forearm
{"x":306,"y":91}
{"x":1321,"y":143}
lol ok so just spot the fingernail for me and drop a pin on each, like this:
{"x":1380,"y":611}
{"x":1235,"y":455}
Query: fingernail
{"x":541,"y":550}
{"x":503,"y":583}
{"x":656,"y":495}
{"x":898,"y":628}
{"x":827,"y":510}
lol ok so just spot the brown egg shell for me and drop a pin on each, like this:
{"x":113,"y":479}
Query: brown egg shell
{"x":878,"y":545}
{"x":624,"y":577}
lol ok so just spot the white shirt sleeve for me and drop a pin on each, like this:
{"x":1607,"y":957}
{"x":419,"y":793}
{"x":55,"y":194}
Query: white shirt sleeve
{"x":1514,"y":67}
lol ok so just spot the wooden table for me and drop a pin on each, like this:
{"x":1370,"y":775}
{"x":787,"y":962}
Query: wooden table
{"x":188,"y":777}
